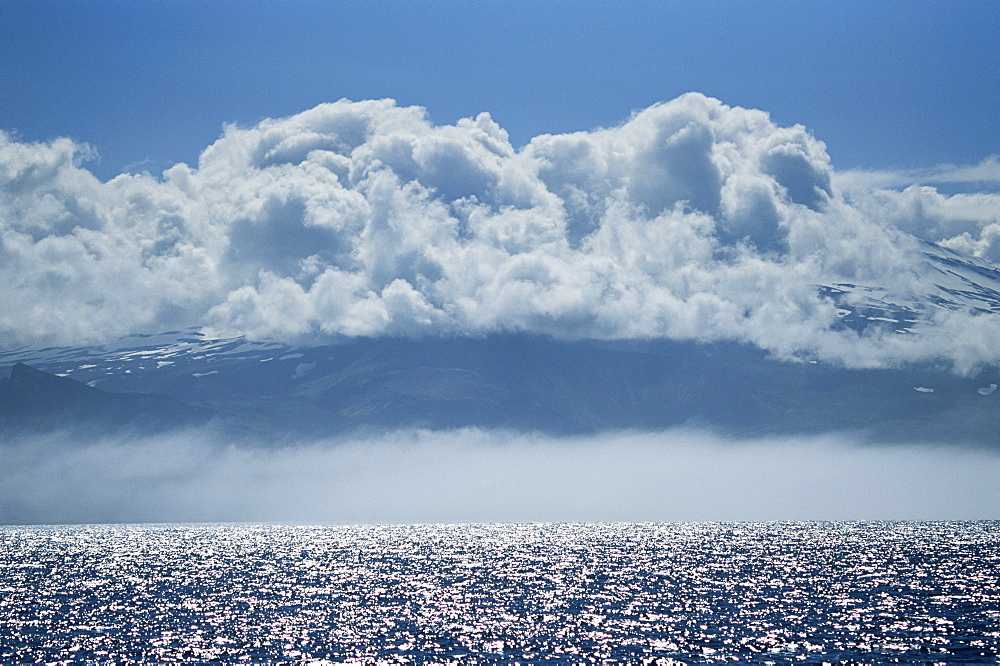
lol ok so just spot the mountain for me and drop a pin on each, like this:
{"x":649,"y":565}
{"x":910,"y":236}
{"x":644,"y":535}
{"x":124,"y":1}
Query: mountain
{"x":269,"y":391}
{"x":32,"y":400}
{"x":944,"y":280}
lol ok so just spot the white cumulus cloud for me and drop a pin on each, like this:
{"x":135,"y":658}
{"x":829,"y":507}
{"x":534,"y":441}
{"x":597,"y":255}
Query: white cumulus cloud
{"x":692,"y":220}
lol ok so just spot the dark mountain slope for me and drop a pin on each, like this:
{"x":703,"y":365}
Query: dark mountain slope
{"x":265,"y":391}
{"x":32,"y":400}
{"x":529,"y":382}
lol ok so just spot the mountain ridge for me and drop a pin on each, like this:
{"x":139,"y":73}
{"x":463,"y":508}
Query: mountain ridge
{"x":260,"y":392}
{"x":35,"y":401}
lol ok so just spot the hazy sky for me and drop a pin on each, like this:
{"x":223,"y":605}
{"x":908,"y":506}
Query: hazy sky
{"x":887,"y":84}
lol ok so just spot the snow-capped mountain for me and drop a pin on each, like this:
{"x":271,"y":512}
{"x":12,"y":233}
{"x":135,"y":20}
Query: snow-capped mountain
{"x":140,"y":355}
{"x":263,"y":392}
{"x":267,"y":390}
{"x":944,"y":280}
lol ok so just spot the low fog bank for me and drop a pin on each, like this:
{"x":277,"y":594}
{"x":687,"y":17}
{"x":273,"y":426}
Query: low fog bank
{"x":491,"y":476}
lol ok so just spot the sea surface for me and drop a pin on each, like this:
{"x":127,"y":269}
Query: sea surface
{"x":699,"y":593}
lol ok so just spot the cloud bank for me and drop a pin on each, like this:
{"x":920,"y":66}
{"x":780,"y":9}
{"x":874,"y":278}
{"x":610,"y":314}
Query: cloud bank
{"x":691,"y":220}
{"x":490,"y":476}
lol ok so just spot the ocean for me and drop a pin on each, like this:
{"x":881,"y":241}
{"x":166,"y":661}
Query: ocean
{"x":652,"y":593}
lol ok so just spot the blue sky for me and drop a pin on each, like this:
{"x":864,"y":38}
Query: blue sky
{"x":149,"y":84}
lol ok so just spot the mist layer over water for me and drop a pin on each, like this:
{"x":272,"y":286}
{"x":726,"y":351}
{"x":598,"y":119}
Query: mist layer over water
{"x":764,"y":593}
{"x":491,"y":476}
